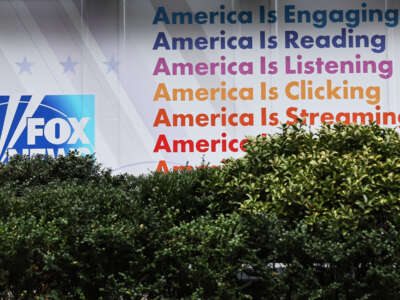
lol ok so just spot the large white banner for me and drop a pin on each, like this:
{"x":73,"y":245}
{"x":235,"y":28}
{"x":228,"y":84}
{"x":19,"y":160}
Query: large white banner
{"x":156,"y":85}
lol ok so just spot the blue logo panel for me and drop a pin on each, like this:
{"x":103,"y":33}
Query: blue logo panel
{"x":53,"y":125}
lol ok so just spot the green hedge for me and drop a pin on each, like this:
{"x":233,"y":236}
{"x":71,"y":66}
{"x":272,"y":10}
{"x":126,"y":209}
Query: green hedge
{"x":303,"y":215}
{"x":346,"y":173}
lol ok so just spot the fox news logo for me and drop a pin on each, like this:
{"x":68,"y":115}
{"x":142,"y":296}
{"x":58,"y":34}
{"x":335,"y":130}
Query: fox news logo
{"x":52,"y":125}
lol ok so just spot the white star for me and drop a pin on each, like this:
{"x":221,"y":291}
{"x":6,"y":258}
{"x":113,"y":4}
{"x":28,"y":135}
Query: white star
{"x":112,"y":65}
{"x":25,"y":66}
{"x":69,"y":65}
